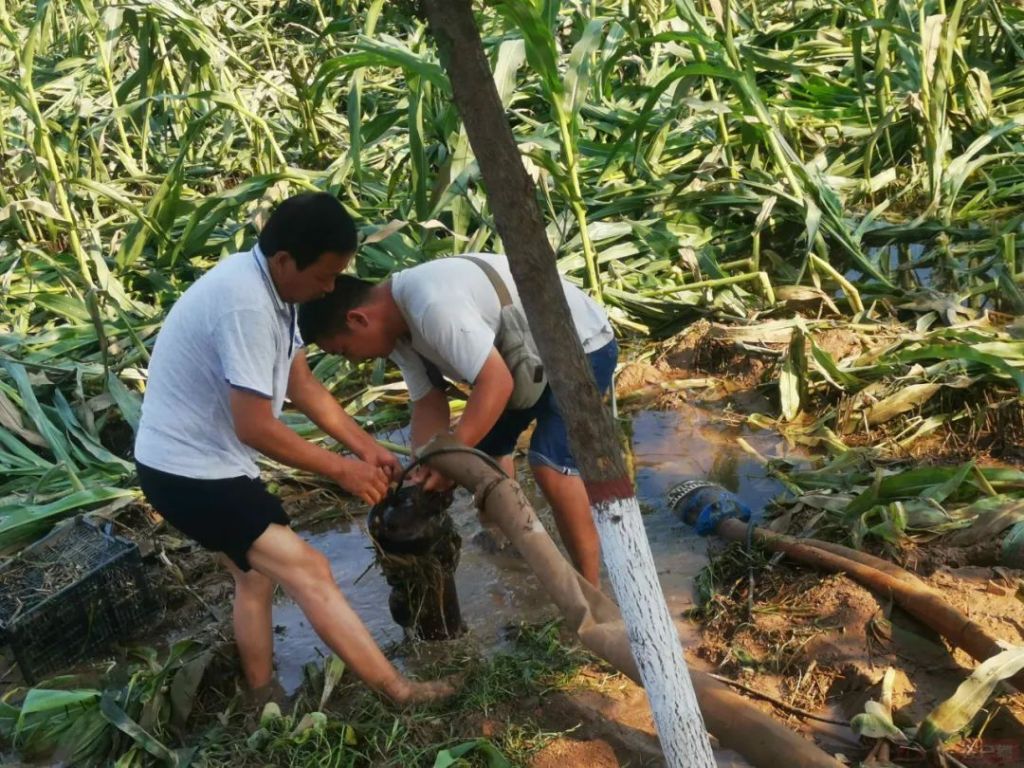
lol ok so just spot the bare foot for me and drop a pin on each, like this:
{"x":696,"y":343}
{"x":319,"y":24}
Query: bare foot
{"x":410,"y":692}
{"x":256,"y":698}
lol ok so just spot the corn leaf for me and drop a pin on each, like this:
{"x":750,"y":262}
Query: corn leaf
{"x":956,"y":712}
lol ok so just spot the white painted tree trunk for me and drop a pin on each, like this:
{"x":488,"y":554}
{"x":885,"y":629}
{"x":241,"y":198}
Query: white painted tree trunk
{"x":653,"y":638}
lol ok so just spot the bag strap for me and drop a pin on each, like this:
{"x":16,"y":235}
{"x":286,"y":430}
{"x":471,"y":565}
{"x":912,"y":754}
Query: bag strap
{"x":492,"y":274}
{"x":438,"y":380}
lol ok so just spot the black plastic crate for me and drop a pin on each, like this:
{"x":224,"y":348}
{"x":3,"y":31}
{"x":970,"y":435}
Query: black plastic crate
{"x":69,"y":596}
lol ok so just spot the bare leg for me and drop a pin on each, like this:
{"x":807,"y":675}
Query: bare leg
{"x":568,"y":499}
{"x":306,"y":576}
{"x":254,"y":594}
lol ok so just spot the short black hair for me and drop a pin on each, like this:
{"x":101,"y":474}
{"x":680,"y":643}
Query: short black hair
{"x":329,"y":314}
{"x":307,"y":226}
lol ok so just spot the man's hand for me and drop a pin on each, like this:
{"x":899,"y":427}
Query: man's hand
{"x":368,"y":482}
{"x":379,"y":456}
{"x":430,"y":479}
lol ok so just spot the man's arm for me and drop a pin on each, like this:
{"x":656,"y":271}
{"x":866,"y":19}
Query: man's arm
{"x":312,"y":398}
{"x":430,"y":415}
{"x":491,"y":391}
{"x":257,"y":427}
{"x":459,"y":334}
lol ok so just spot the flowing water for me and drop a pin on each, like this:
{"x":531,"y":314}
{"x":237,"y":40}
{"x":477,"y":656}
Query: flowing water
{"x":497,"y":590}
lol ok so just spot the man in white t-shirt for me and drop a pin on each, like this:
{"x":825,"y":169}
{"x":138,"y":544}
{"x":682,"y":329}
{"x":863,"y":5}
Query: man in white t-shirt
{"x":441,"y":319}
{"x":226,"y":357}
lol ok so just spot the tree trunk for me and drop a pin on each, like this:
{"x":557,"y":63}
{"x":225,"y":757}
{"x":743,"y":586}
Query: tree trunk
{"x":627,"y":554}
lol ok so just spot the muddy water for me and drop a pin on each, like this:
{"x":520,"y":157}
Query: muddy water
{"x":494,"y":592}
{"x":671,"y":446}
{"x":497,"y":590}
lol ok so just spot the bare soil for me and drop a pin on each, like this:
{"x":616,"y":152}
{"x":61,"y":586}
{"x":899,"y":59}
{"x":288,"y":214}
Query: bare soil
{"x":561,"y":753}
{"x":821,"y":644}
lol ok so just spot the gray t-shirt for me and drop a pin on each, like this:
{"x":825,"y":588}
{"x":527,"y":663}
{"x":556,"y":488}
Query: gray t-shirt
{"x":453,"y":314}
{"x":229,"y":329}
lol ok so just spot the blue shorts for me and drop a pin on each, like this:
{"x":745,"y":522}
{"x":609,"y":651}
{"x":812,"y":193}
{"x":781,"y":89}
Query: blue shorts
{"x":549,"y":445}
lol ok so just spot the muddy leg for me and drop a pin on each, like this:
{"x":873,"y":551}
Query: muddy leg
{"x":254,"y":594}
{"x":568,"y":499}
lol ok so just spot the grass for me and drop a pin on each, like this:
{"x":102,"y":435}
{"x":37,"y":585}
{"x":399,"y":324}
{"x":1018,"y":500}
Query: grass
{"x":123,"y":717}
{"x":494,"y":691}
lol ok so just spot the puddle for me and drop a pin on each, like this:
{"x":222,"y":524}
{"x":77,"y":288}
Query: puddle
{"x":686,"y":444}
{"x":497,"y":590}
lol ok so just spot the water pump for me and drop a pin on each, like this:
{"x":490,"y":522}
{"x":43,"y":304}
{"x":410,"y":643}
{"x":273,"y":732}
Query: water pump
{"x":418,"y":548}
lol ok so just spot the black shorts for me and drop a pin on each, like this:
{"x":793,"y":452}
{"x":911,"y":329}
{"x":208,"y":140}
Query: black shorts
{"x":222,"y":515}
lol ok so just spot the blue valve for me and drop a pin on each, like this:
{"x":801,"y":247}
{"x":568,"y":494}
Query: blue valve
{"x":704,"y":505}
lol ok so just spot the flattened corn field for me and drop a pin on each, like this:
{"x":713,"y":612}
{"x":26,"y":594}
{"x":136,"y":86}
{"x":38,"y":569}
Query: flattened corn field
{"x":824,"y":199}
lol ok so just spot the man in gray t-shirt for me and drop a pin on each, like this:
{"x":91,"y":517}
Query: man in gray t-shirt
{"x":226,"y":357}
{"x":440,"y":320}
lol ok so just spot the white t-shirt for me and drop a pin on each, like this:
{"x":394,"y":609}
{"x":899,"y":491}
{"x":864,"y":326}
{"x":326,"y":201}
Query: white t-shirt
{"x":229,"y":329}
{"x":453,"y":314}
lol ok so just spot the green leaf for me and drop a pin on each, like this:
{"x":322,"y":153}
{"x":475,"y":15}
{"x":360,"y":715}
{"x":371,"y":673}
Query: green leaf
{"x":55,"y":440}
{"x":957,"y":712}
{"x":386,"y":51}
{"x":19,"y":521}
{"x":271,"y":713}
{"x":8,"y":721}
{"x":44,"y":700}
{"x":310,"y":724}
{"x":866,"y":500}
{"x":117,"y":717}
{"x":540,"y":42}
{"x":511,"y":55}
{"x":66,"y":720}
{"x":1012,"y":553}
{"x":184,"y":686}
{"x":827,"y":366}
{"x":10,"y":417}
{"x":942,"y":491}
{"x":495,"y":759}
{"x":963,"y":352}
{"x":128,"y":402}
{"x":334,"y":668}
{"x":993,"y":515}
{"x":875,"y":723}
{"x":793,"y":378}
{"x":580,"y":66}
